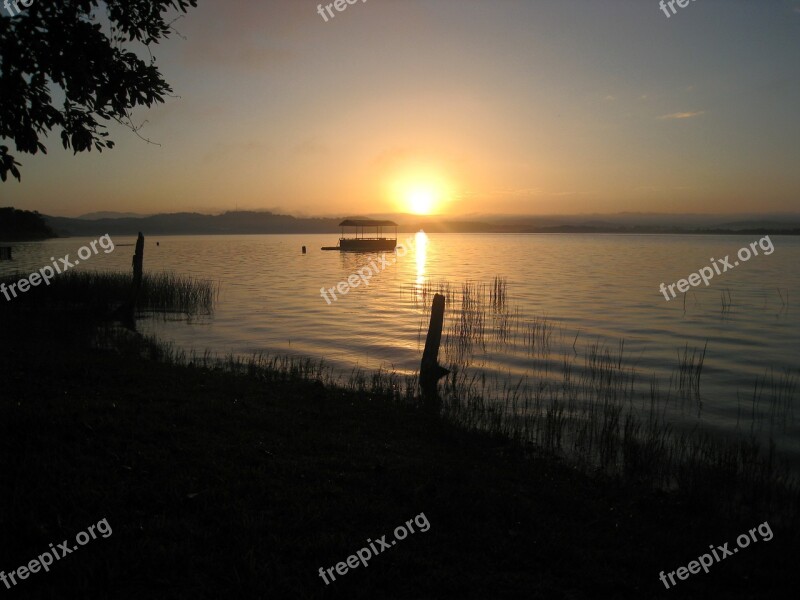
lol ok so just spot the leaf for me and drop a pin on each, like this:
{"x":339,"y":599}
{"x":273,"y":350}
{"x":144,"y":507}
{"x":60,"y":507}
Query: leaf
{"x":63,"y":51}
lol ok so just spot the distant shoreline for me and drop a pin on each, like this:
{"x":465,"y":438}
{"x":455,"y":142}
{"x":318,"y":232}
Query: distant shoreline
{"x":267,"y":223}
{"x":545,"y":231}
{"x":27,"y":238}
{"x":755,"y":231}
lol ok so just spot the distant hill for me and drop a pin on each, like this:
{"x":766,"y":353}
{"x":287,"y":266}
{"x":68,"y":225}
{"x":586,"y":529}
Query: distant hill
{"x":93,"y":216}
{"x":23,"y":225}
{"x":243,"y":222}
{"x":260,"y":222}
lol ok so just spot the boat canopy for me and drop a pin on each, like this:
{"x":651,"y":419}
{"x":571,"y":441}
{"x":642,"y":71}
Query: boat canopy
{"x":366,"y":223}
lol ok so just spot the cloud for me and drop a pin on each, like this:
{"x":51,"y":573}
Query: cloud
{"x":683,"y":115}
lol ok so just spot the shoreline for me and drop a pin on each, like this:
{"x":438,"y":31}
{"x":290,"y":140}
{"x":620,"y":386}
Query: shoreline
{"x":546,"y":231}
{"x":203,"y":471}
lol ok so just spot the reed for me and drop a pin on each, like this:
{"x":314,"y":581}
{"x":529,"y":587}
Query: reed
{"x":596,"y":423}
{"x":690,"y":368}
{"x":594,"y":418}
{"x":167,"y":292}
{"x":784,"y":296}
{"x":538,"y":333}
{"x":101,"y":292}
{"x":726,"y":300}
{"x":594,"y":415}
{"x":498,"y":293}
{"x":597,"y":417}
{"x":422,"y":294}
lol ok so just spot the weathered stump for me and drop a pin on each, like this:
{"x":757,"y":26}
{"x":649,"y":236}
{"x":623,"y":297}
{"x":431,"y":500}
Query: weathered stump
{"x":138,"y":264}
{"x":128,"y":311}
{"x":430,"y":372}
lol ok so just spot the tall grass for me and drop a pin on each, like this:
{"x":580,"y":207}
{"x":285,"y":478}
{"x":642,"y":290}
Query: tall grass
{"x":593,"y":419}
{"x":598,"y":421}
{"x":726,"y":300}
{"x":101,"y":292}
{"x":422,"y":294}
{"x":168,"y":292}
{"x":498,"y":294}
{"x":386,"y":384}
{"x":690,"y":368}
{"x":594,"y":413}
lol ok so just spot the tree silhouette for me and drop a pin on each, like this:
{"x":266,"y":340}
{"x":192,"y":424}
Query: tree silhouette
{"x":76,"y":51}
{"x":17,"y":225}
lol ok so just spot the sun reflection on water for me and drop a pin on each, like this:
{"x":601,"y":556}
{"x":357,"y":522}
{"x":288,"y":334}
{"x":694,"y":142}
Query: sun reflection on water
{"x":421,"y":248}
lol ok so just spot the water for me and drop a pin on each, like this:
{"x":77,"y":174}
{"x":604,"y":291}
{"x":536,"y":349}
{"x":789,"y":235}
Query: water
{"x":600,"y":288}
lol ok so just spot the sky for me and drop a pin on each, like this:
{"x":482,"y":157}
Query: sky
{"x":454,"y":107}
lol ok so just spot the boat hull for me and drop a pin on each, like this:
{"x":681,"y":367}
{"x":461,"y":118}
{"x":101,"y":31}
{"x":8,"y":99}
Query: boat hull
{"x":367,"y":245}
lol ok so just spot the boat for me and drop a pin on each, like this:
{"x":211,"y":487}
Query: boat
{"x":363,"y":240}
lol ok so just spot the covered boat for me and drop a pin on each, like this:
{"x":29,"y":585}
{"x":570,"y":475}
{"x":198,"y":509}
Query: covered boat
{"x":368,"y":236}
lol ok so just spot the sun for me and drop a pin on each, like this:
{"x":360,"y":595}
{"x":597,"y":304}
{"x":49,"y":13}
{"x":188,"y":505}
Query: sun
{"x":419,"y":191}
{"x":421,"y":200}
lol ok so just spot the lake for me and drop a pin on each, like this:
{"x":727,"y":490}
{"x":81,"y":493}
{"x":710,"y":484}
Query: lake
{"x":564,"y":292}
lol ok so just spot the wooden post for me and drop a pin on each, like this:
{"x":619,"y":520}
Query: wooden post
{"x":138,"y":264}
{"x":136,"y":285}
{"x":429,"y":370}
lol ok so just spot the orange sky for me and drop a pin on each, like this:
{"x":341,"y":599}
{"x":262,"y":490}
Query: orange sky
{"x":458,"y":107}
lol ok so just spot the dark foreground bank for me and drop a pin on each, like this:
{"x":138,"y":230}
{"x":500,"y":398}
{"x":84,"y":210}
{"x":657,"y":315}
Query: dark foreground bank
{"x":214,"y":484}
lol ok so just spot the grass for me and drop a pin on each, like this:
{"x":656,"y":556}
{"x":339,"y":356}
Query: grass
{"x":230,"y":476}
{"x":101,"y":292}
{"x":591,"y":423}
{"x":594,"y":415}
{"x":690,"y":368}
{"x":498,"y":294}
{"x":241,"y":477}
{"x":726,"y":301}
